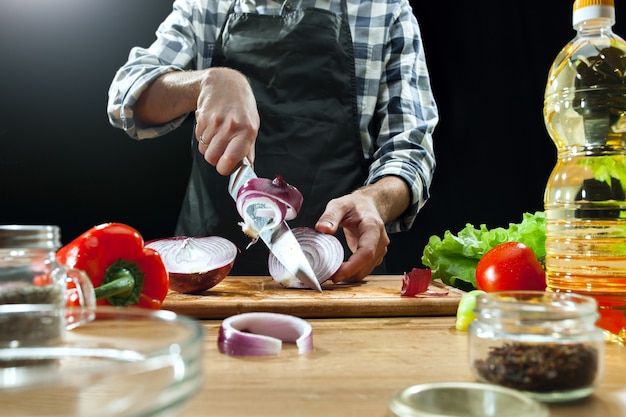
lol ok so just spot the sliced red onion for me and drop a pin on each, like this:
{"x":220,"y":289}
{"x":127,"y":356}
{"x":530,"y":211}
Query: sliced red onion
{"x":273,"y":199}
{"x":323,"y":251}
{"x":262,"y":334}
{"x":195,"y":264}
{"x":417,"y":282}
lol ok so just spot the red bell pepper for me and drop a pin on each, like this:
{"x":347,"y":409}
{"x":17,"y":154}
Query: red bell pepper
{"x":122,"y":271}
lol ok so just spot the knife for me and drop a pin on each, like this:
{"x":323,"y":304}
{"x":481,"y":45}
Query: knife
{"x":280,"y":239}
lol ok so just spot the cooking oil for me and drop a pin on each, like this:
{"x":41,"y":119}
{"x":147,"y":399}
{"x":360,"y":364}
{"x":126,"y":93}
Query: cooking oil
{"x":585,"y":202}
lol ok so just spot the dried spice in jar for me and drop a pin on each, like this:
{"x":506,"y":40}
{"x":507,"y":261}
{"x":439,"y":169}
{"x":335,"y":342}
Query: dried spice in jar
{"x":29,"y":313}
{"x":540,"y":367}
{"x":543,"y":343}
{"x":33,"y":288}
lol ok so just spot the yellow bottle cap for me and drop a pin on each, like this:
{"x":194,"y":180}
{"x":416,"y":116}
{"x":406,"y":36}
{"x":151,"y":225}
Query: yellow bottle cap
{"x":579,"y":4}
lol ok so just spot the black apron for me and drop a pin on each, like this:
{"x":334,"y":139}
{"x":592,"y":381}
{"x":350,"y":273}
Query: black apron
{"x":301,"y":69}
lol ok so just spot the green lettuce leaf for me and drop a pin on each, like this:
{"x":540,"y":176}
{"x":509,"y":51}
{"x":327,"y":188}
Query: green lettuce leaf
{"x":453,"y":258}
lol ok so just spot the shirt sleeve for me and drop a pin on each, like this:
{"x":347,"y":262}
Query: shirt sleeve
{"x":407,"y":115}
{"x":173,"y":50}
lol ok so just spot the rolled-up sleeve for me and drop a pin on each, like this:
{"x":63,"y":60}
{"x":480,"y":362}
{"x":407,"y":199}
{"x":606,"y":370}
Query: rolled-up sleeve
{"x":173,"y":50}
{"x":408,"y":115}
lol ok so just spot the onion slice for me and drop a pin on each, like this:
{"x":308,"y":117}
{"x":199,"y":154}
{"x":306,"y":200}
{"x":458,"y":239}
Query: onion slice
{"x":323,"y":251}
{"x":264,"y":204}
{"x":417,"y":282}
{"x":195,"y":264}
{"x":262,"y":334}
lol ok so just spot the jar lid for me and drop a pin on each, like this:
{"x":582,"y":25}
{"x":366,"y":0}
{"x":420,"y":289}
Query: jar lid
{"x":464,"y":399}
{"x":30,"y":236}
{"x":593,"y":9}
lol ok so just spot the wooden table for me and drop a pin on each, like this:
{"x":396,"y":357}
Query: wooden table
{"x":355,"y":367}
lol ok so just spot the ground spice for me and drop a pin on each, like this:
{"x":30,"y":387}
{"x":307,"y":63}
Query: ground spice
{"x":540,"y":368}
{"x":30,"y":327}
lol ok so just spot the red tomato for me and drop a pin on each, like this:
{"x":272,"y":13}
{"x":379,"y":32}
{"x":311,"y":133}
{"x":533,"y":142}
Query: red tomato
{"x":510,"y":266}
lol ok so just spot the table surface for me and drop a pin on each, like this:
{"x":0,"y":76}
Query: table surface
{"x":356,"y":365}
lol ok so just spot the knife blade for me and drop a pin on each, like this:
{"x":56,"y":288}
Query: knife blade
{"x":280,"y":239}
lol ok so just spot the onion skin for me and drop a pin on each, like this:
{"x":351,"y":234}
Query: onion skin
{"x":323,"y":251}
{"x":277,"y":189}
{"x":262,"y":334}
{"x":198,"y":282}
{"x":195,"y":264}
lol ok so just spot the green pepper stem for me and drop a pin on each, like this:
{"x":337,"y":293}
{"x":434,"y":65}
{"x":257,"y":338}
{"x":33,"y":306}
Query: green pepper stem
{"x":122,"y":283}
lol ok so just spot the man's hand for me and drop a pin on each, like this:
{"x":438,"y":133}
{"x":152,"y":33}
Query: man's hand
{"x":227,"y":119}
{"x":225,"y":108}
{"x":363,"y":215}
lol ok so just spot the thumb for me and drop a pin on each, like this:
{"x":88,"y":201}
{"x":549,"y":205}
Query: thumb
{"x":327,"y":223}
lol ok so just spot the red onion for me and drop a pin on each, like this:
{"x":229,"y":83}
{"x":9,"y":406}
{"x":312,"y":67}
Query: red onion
{"x":323,"y":251}
{"x":262,"y":334}
{"x":195,"y":264}
{"x":417,"y":282}
{"x":274,"y":199}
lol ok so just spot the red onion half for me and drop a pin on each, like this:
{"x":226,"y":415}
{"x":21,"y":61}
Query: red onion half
{"x":262,"y":334}
{"x":274,"y":199}
{"x":323,"y":251}
{"x":195,"y":264}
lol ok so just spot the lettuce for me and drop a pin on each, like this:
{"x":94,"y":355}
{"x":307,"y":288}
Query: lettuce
{"x":453,"y":259}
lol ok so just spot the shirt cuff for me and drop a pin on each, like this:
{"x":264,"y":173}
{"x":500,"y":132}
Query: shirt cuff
{"x":125,"y":113}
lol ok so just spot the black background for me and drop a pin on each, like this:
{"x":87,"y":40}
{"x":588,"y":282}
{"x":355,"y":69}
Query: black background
{"x":62,"y":163}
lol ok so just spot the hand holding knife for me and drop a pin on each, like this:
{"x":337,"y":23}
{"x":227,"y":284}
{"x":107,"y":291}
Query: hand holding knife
{"x":279,"y":239}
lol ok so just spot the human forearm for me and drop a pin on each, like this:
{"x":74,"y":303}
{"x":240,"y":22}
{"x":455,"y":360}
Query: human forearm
{"x":168,"y":97}
{"x":390,"y":195}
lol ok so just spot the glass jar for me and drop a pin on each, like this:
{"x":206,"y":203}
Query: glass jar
{"x":542,"y":343}
{"x":33,"y":288}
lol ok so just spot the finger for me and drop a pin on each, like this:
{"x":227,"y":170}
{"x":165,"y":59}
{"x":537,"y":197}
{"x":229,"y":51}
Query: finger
{"x":330,"y":219}
{"x":197,"y":129}
{"x":227,"y":164}
{"x":201,"y":142}
{"x":214,"y":150}
{"x":236,"y":149}
{"x":324,"y":225}
{"x":357,"y":267}
{"x":371,"y":249}
{"x":198,"y":133}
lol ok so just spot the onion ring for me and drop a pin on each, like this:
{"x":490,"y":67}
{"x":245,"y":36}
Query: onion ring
{"x":274,"y":199}
{"x":262,"y":334}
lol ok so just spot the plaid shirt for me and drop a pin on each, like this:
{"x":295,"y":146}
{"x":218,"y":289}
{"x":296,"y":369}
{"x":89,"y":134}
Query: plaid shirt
{"x":397,"y":111}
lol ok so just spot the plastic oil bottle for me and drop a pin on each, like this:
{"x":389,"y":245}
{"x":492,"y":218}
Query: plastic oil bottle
{"x":585,"y":203}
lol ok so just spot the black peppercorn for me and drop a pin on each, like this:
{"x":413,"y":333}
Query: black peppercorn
{"x":540,"y":367}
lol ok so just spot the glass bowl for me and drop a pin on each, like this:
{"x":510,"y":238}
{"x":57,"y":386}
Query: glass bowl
{"x":463,"y":399}
{"x":127,"y":362}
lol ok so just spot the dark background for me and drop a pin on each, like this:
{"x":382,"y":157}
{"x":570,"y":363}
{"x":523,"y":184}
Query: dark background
{"x":62,"y":163}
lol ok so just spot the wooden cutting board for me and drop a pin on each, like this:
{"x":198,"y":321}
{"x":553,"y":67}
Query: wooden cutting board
{"x":376,"y":296}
